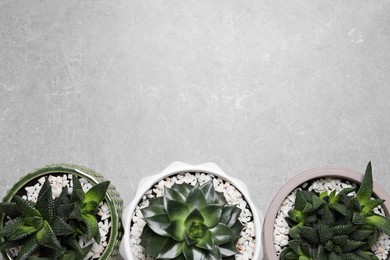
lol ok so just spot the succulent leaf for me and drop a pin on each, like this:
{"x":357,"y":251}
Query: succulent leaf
{"x":46,"y":237}
{"x":174,"y":195}
{"x":365,"y":191}
{"x":196,"y":199}
{"x":171,"y":249}
{"x":45,"y":203}
{"x":94,"y":196}
{"x":11,"y":226}
{"x":159,"y":224}
{"x":25,"y":207}
{"x":9,"y":208}
{"x":176,"y":209}
{"x":151,"y":243}
{"x":380,"y":222}
{"x":222,"y":234}
{"x":228,"y":249}
{"x":212,"y":214}
{"x":28,"y":248}
{"x":206,"y":241}
{"x":210,"y":193}
{"x":92,"y":227}
{"x":177,"y":230}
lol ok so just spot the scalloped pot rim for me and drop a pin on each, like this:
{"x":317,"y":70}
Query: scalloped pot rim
{"x":315,"y":173}
{"x":176,"y":168}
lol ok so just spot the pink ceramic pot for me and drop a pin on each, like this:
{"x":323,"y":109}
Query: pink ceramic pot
{"x":321,"y":172}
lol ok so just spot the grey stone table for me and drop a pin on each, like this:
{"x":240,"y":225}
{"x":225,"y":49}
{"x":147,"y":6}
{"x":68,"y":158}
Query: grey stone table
{"x":265,"y":89}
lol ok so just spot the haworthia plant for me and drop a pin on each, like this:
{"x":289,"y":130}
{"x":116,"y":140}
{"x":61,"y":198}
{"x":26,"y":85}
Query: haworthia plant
{"x":49,"y":228}
{"x":335,"y":226}
{"x":191,"y":223}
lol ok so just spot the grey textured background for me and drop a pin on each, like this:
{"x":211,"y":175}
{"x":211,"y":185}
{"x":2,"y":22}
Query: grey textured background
{"x":265,"y":89}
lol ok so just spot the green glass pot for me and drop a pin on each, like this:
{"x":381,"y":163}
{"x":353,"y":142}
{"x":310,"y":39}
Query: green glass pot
{"x":113,"y":200}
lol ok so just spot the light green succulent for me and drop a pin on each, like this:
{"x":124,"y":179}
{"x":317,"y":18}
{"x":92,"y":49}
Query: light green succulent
{"x":48,"y":229}
{"x":335,"y":226}
{"x":191,"y":223}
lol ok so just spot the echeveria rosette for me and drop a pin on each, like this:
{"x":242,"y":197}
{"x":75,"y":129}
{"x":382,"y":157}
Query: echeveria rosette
{"x":191,"y":222}
{"x":335,"y":226}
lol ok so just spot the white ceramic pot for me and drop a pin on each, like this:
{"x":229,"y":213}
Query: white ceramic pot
{"x":179,"y":167}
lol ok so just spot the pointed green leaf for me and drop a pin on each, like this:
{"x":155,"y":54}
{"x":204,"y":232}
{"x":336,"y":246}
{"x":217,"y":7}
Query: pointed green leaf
{"x":28,"y":248}
{"x":340,"y":208}
{"x":310,"y":233}
{"x":46,"y":237}
{"x":92,"y":227}
{"x":340,"y":240}
{"x":213,"y":254}
{"x":9,"y":209}
{"x":191,"y":252}
{"x":380,"y":222}
{"x":159,"y":224}
{"x":152,"y":243}
{"x":45,"y":202}
{"x":210,"y":193}
{"x":371,"y":205}
{"x":170,"y":250}
{"x":10,"y":226}
{"x":194,"y":216}
{"x":76,"y":213}
{"x":222,"y":234}
{"x":360,"y":234}
{"x":228,"y":249}
{"x":365,"y":191}
{"x":183,"y":188}
{"x":172,"y":194}
{"x":351,"y":245}
{"x":25,"y":207}
{"x":205,"y":242}
{"x":152,"y":210}
{"x":22,"y":231}
{"x":300,"y":201}
{"x":227,"y":211}
{"x":317,"y":202}
{"x":94,"y":196}
{"x":196,"y":199}
{"x":234,"y":216}
{"x":296,"y":215}
{"x":237,"y":228}
{"x":60,"y":227}
{"x":176,"y":210}
{"x":325,"y":233}
{"x":177,"y":230}
{"x":65,"y":211}
{"x":358,"y":219}
{"x":212,"y":214}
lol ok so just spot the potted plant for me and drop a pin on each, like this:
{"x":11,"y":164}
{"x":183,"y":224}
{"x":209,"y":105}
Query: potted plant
{"x":61,"y":212}
{"x":191,"y":212}
{"x":329,"y":213}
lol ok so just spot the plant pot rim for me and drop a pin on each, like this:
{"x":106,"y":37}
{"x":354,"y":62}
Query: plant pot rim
{"x":311,"y":174}
{"x":112,"y":198}
{"x":176,"y":168}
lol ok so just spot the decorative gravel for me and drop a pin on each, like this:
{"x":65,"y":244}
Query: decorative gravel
{"x":246,"y":243}
{"x":57,"y":182}
{"x":281,"y":227}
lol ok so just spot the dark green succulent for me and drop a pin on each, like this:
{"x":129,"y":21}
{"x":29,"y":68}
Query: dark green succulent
{"x":335,"y":226}
{"x":48,"y":229}
{"x":191,"y":222}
